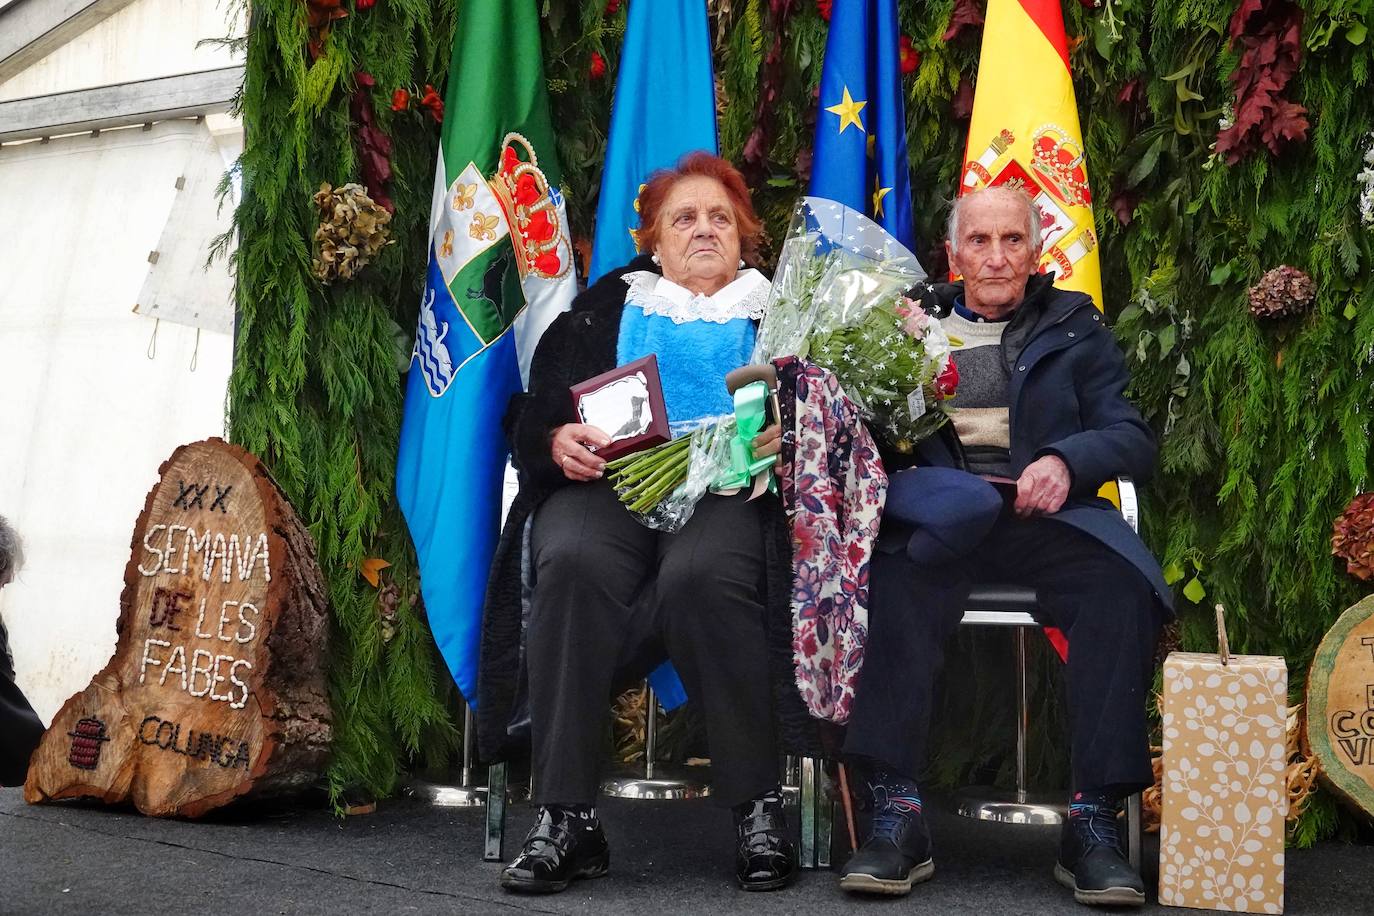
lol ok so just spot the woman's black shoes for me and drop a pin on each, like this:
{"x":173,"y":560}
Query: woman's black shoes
{"x":765,"y":858}
{"x":561,"y":847}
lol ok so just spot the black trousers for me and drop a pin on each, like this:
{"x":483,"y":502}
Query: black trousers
{"x":20,"y":727}
{"x":1104,"y":606}
{"x":605,"y":588}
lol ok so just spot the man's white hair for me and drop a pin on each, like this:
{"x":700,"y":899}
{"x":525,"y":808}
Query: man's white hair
{"x":1032,"y":216}
{"x":11,"y":552}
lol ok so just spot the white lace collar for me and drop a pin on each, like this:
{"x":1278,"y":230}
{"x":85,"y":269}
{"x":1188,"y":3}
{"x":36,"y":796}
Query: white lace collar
{"x":744,"y":297}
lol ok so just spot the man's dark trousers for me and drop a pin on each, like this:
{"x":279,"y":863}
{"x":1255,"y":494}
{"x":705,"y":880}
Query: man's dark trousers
{"x":1104,"y":606}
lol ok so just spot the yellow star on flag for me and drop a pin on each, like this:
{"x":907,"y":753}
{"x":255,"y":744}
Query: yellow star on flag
{"x":879,"y":192}
{"x":848,"y":111}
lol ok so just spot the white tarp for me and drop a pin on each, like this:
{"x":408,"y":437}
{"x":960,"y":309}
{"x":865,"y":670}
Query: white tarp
{"x":178,"y":286}
{"x":86,"y":416}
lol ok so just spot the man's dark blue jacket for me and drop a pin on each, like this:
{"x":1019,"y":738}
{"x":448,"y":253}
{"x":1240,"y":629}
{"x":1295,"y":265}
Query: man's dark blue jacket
{"x":1066,"y":398}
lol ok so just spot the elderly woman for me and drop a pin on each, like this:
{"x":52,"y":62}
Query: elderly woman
{"x":20,"y":727}
{"x":609,"y":597}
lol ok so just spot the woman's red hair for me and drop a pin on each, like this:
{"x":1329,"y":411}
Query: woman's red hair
{"x":704,"y":165}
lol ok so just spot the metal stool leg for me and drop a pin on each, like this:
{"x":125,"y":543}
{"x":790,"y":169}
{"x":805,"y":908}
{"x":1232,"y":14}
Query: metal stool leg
{"x":1022,"y":713}
{"x":825,"y":817}
{"x":1134,"y":853}
{"x":654,"y":781}
{"x":809,"y":808}
{"x":493,"y":851}
{"x":1018,"y":806}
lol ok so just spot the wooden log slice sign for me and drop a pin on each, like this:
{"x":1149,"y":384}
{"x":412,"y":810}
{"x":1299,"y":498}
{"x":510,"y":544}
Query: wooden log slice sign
{"x":217,"y":688}
{"x":1340,"y":706}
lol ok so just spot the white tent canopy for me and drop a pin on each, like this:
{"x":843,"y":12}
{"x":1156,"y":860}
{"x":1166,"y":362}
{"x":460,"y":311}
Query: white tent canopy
{"x":96,"y":396}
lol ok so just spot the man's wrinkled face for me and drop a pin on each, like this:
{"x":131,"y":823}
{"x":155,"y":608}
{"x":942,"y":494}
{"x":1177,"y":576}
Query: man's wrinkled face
{"x":995,"y":254}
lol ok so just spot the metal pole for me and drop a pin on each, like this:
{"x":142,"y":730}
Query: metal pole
{"x":1022,"y":713}
{"x":465,"y":779}
{"x":650,"y":730}
{"x":496,"y":814}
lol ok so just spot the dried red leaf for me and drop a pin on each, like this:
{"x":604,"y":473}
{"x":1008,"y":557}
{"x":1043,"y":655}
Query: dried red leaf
{"x":1123,"y":205}
{"x":961,"y":106}
{"x":1269,"y":32}
{"x":965,"y":15}
{"x":374,"y":146}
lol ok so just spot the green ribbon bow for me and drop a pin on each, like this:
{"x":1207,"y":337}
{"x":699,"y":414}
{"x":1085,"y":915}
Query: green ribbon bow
{"x":750,"y":417}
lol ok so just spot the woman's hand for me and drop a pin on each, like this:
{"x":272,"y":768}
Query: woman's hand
{"x":768,"y":442}
{"x":572,"y":454}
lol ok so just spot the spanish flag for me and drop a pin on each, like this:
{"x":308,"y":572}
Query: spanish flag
{"x":1025,"y":133}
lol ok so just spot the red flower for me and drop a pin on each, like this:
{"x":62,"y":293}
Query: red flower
{"x":948,"y":379}
{"x":612,"y":7}
{"x":597,"y":69}
{"x":823,"y":7}
{"x":364,"y":4}
{"x":400,"y":100}
{"x":435,"y":104}
{"x":910,"y":57}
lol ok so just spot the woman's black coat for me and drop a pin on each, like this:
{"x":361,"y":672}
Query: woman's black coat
{"x":581,"y":343}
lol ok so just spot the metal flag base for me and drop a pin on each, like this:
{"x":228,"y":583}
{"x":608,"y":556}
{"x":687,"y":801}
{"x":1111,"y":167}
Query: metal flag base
{"x":463,"y":794}
{"x":653,"y":780}
{"x":658,"y":783}
{"x":442,"y":795}
{"x":986,"y":803}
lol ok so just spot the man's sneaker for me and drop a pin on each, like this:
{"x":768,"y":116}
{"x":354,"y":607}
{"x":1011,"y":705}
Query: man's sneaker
{"x":1090,"y":860}
{"x":559,"y":849}
{"x":895,"y":857}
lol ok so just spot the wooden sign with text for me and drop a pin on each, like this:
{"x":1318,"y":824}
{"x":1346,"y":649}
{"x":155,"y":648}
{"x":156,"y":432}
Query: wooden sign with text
{"x":1340,"y":706}
{"x":217,"y":688}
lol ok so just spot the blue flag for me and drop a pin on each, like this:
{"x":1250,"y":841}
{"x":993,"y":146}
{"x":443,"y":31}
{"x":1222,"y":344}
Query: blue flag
{"x":860,"y":157}
{"x":665,"y":106}
{"x":500,"y":271}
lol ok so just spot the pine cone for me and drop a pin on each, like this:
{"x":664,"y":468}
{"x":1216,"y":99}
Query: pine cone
{"x":353,"y":229}
{"x":1352,"y":538}
{"x":1281,"y":292}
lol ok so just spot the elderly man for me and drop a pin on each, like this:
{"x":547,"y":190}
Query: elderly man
{"x":1040,"y":403}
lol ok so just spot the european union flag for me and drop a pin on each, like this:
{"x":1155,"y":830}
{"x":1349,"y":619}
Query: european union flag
{"x":860,"y":157}
{"x":665,"y":106}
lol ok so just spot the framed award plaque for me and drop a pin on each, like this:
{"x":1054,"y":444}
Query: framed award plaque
{"x":626,"y":404}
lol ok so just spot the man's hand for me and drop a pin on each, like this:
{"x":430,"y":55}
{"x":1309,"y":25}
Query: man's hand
{"x":1042,"y":487}
{"x":768,"y":442}
{"x":571,"y":453}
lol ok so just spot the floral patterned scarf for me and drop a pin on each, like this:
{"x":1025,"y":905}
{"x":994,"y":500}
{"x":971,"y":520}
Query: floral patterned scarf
{"x":833,"y":489}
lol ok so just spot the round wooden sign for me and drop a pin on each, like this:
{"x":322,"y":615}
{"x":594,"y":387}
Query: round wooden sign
{"x":217,"y":685}
{"x":1340,"y":706}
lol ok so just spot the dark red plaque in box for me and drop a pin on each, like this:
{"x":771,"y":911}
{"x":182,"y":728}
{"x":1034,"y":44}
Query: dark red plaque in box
{"x":625,"y":403}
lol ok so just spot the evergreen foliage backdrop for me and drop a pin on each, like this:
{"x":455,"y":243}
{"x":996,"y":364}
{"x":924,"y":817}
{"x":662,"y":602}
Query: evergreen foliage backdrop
{"x":1264,"y":424}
